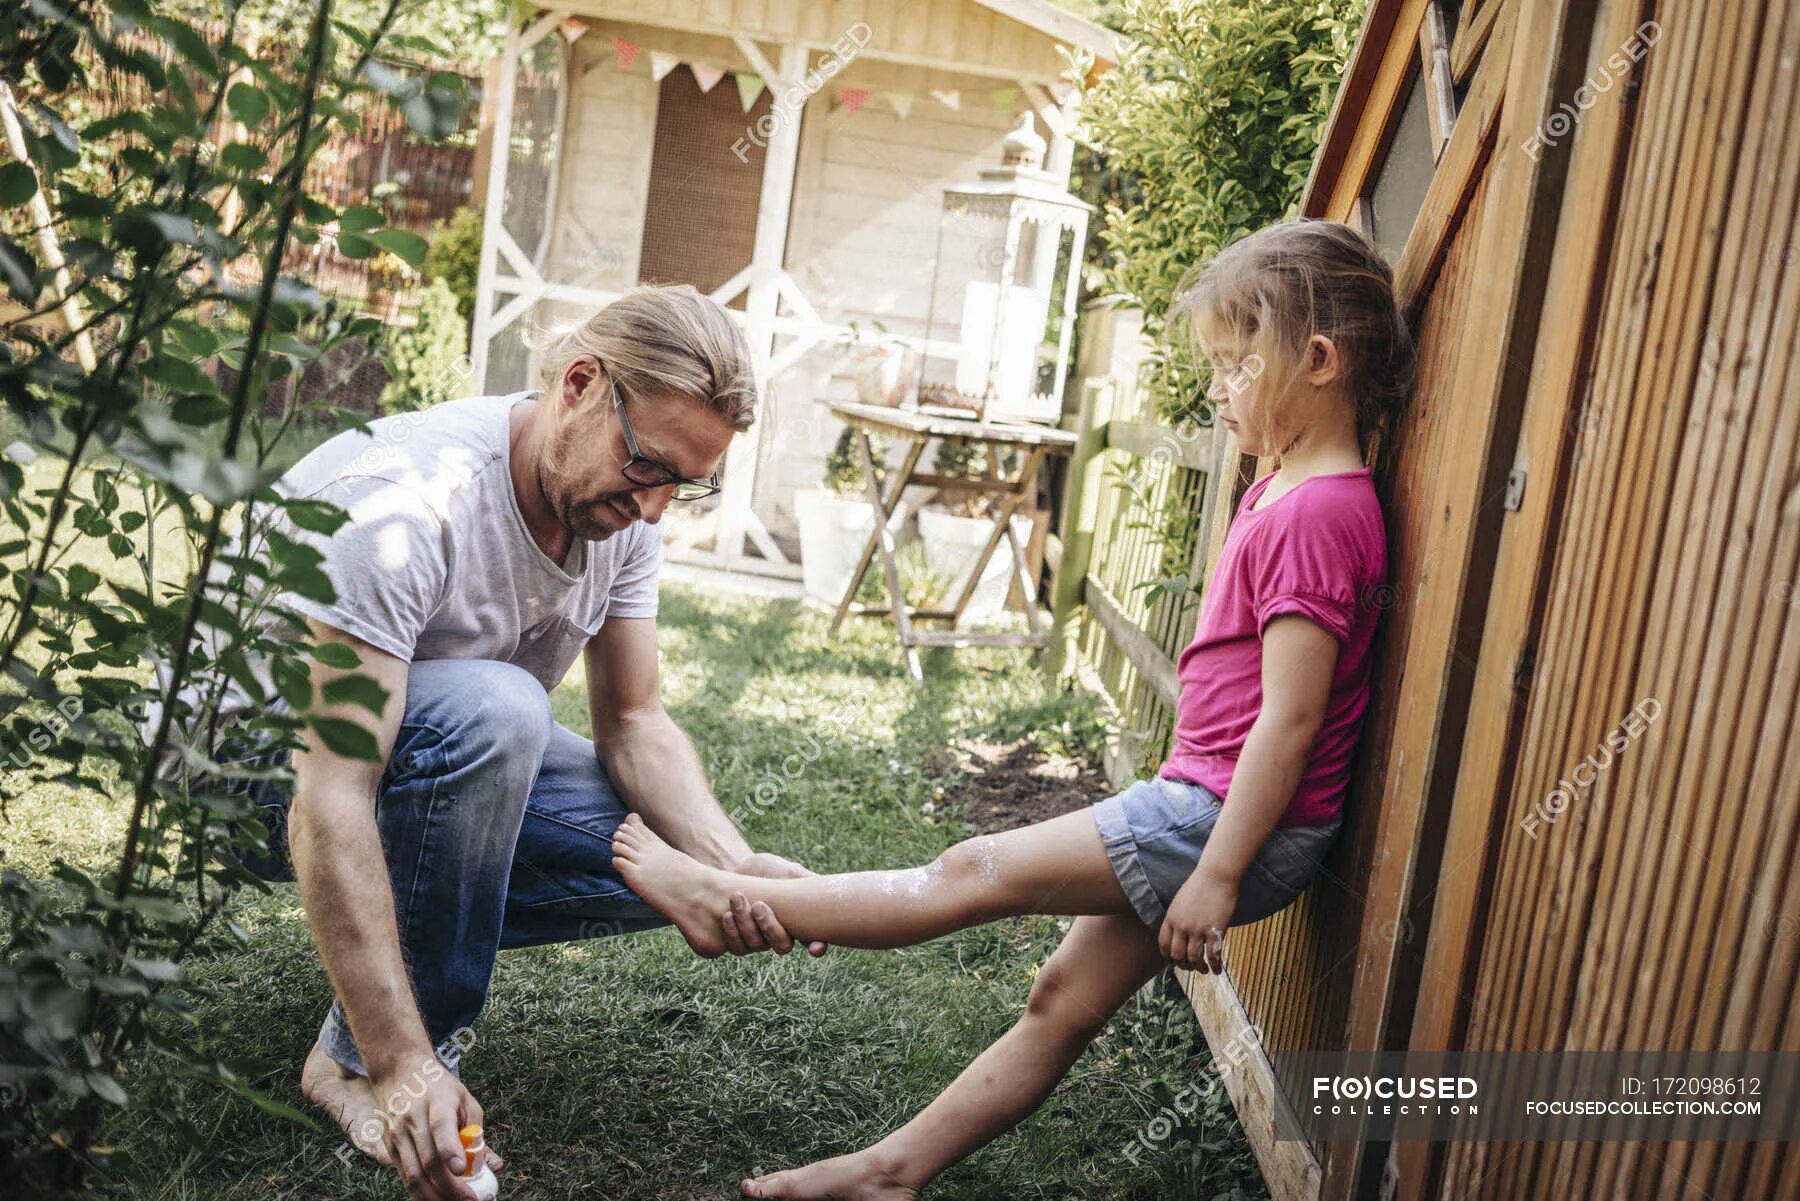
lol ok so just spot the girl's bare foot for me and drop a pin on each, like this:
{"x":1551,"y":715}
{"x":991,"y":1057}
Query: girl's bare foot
{"x":846,"y":1178}
{"x":347,"y":1100}
{"x":685,"y":891}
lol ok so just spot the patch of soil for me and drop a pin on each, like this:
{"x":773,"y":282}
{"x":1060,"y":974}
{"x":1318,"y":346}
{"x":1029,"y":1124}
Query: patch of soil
{"x":1012,"y":784}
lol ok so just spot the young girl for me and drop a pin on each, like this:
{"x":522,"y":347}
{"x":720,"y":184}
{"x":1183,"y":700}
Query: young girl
{"x":1309,"y":352}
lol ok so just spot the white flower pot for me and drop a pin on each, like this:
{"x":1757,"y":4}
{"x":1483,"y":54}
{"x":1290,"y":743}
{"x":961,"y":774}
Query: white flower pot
{"x":952,"y":545}
{"x":833,"y":532}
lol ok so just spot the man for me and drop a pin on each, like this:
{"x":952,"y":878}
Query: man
{"x":490,"y":541}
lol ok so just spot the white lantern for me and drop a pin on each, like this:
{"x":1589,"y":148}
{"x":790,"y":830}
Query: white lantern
{"x":1003,"y":288}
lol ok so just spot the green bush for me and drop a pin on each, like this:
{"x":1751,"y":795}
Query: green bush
{"x":1205,"y":132}
{"x":118,"y":548}
{"x":844,"y":472}
{"x":429,"y":361}
{"x":455,"y":256}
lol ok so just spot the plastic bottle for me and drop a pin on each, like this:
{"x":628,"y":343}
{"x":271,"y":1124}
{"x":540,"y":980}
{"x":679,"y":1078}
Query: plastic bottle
{"x":476,"y":1174}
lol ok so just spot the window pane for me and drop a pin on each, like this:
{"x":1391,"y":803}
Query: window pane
{"x":1404,"y":175}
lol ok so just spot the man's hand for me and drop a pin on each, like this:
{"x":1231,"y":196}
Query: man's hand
{"x":422,"y":1126}
{"x":1193,"y":933}
{"x":749,"y":926}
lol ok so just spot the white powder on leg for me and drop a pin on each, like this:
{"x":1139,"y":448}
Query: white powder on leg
{"x":987,"y":858}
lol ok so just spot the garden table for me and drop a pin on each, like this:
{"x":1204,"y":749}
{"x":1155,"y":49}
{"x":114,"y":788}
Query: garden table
{"x":915,"y":428}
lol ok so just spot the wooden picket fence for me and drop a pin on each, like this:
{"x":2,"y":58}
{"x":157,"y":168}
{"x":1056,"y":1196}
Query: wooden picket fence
{"x":1114,"y":631}
{"x":430,"y":180}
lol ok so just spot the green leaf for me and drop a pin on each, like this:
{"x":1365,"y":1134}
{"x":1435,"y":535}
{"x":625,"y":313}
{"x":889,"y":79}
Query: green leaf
{"x":19,"y":271}
{"x":18,"y":183}
{"x":248,"y":103}
{"x":403,"y":244}
{"x":200,"y":411}
{"x":82,"y":580}
{"x":162,"y":971}
{"x":106,"y":1088}
{"x":356,"y":690}
{"x":56,"y":1007}
{"x":347,"y":738}
{"x":293,"y":680}
{"x":243,"y":156}
{"x":318,"y":516}
{"x":354,"y":246}
{"x":309,"y":581}
{"x":359,"y":218}
{"x":335,"y":654}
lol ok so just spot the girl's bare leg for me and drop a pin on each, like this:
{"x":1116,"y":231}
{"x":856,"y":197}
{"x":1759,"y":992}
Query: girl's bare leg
{"x":1099,"y":965}
{"x":1058,"y":867}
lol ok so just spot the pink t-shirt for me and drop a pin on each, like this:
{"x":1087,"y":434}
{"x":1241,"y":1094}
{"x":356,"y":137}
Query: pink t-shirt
{"x":1319,"y":551}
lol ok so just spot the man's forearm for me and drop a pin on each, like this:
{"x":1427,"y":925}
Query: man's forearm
{"x":349,"y":902}
{"x":653,"y":765}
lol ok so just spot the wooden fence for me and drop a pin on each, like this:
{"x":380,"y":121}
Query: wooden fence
{"x":418,"y":183}
{"x":1118,"y":635}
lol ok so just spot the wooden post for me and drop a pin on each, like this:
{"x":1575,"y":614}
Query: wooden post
{"x":768,"y":263}
{"x":487,"y":321}
{"x":1081,"y":507}
{"x":38,"y":208}
{"x":499,"y":155}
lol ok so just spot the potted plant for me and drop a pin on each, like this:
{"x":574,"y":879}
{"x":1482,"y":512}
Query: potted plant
{"x":835,"y":520}
{"x":389,"y":278}
{"x":884,"y":369}
{"x":956,"y":527}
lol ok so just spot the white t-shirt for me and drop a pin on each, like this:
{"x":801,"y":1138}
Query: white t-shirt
{"x":436,"y":561}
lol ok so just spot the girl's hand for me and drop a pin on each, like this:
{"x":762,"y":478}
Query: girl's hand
{"x":1193,"y":933}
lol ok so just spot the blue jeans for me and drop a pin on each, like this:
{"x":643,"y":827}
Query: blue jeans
{"x":497,"y":825}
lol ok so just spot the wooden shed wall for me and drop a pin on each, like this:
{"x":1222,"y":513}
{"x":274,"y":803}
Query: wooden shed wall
{"x":610,"y":133}
{"x":1662,"y":908}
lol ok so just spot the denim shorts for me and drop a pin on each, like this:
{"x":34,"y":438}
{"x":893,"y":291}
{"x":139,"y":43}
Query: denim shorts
{"x":1155,"y":830}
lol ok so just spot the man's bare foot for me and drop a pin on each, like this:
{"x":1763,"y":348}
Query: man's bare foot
{"x":681,"y":888}
{"x":347,"y":1100}
{"x":846,"y":1178}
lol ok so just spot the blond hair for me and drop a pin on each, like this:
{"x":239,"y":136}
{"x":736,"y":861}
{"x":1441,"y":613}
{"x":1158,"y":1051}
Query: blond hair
{"x":1278,"y":287}
{"x":661,"y":339}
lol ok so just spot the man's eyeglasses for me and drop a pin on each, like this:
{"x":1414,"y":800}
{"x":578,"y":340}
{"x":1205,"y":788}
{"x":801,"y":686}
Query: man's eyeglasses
{"x":647,"y":472}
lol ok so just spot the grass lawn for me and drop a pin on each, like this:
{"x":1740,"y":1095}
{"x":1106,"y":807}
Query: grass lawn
{"x":628,"y":1068}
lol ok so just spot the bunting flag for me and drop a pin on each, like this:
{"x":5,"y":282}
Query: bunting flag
{"x":707,"y":75}
{"x":852,"y":99}
{"x":749,"y":88}
{"x":1005,"y":98}
{"x":626,"y":52}
{"x":661,"y":64}
{"x":950,"y":98}
{"x":902,"y":102}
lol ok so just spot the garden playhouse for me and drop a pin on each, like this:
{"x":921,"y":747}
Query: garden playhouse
{"x":789,"y":159}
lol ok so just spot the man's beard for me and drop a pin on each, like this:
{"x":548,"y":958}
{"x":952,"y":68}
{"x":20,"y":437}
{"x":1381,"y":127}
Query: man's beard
{"x":587,"y":522}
